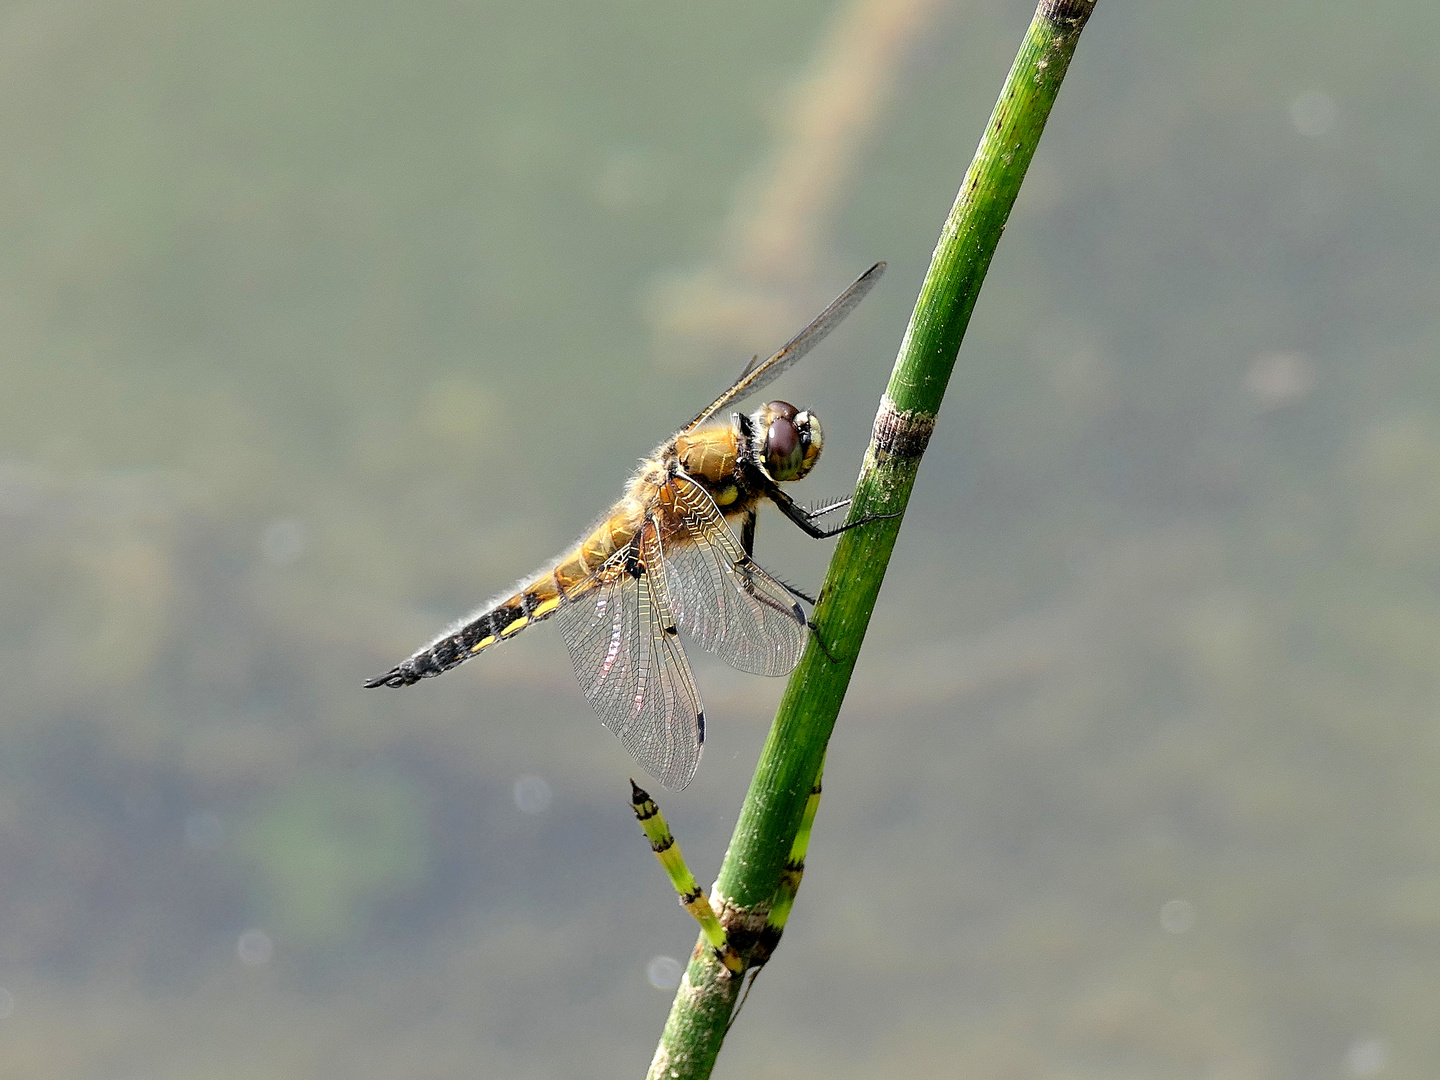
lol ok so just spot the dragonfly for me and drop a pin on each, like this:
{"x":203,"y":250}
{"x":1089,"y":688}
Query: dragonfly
{"x":664,"y":558}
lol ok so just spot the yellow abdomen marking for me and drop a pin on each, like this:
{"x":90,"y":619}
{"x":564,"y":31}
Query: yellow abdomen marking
{"x":545,"y":608}
{"x":518,"y":624}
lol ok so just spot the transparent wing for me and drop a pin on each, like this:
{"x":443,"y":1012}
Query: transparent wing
{"x":719,"y":594}
{"x":622,"y":642}
{"x":755,"y":376}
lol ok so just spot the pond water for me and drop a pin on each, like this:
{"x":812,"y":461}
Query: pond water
{"x":322,"y":323}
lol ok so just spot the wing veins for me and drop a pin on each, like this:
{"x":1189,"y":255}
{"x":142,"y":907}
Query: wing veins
{"x":757,"y":376}
{"x":631,"y":666}
{"x":722,"y":598}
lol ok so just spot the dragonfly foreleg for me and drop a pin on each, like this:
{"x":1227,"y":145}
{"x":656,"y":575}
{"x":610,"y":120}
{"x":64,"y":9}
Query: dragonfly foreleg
{"x":829,"y":508}
{"x":806,"y":518}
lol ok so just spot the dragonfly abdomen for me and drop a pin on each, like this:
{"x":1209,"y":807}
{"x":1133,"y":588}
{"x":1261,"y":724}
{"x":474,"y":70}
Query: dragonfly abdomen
{"x":497,"y":622}
{"x":570,"y":576}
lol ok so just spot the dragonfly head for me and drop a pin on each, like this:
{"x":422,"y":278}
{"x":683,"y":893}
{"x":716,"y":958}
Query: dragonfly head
{"x":792,"y":440}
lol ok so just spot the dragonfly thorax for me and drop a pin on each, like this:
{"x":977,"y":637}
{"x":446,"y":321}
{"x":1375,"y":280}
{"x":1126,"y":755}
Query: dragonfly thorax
{"x":791,"y":442}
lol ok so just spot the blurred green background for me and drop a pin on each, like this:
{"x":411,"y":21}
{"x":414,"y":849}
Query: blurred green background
{"x":321,"y":323}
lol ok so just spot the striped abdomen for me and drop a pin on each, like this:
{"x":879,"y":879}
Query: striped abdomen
{"x":570,"y":577}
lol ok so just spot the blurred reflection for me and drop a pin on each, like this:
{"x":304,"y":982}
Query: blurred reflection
{"x":664,"y":972}
{"x":532,"y":795}
{"x":254,"y":948}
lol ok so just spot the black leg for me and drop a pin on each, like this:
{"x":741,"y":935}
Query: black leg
{"x":821,"y":642}
{"x":829,"y":508}
{"x":806,"y":519}
{"x":747,"y":533}
{"x":797,"y":593}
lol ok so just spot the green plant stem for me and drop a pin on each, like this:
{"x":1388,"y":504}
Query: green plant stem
{"x":796,"y":744}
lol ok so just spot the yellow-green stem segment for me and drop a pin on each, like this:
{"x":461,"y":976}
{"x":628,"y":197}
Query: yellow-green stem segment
{"x":790,"y":879}
{"x":770,"y":818}
{"x":692,"y":897}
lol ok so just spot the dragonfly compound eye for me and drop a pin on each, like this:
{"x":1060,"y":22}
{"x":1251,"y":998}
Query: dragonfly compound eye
{"x":792,"y":441}
{"x":783,"y":453}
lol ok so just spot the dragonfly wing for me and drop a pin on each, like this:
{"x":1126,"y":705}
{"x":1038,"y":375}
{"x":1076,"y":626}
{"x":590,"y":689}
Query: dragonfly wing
{"x":622,"y":642}
{"x":759,"y":374}
{"x":719,"y":594}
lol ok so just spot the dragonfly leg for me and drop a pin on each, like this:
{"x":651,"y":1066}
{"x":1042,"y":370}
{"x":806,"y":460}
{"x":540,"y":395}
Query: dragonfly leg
{"x":829,"y":508}
{"x":744,"y":571}
{"x":747,"y":532}
{"x":806,"y":518}
{"x":797,"y":593}
{"x":747,"y":542}
{"x":821,"y":642}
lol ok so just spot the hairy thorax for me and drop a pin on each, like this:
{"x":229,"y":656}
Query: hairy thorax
{"x":710,"y":456}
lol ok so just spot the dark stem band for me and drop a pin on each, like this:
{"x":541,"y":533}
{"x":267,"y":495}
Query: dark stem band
{"x":1066,"y":10}
{"x":900,"y":434}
